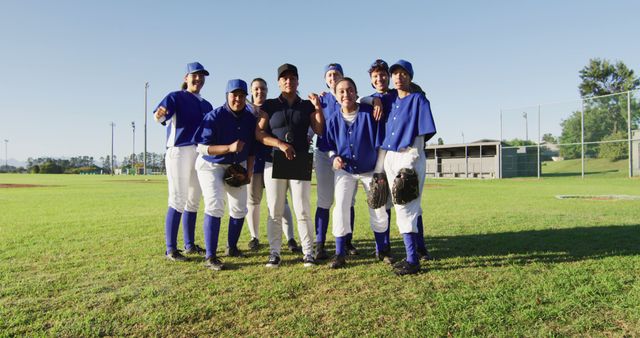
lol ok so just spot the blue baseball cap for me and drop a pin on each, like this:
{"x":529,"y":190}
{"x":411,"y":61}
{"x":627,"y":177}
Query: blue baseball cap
{"x":236,"y":84}
{"x":196,"y":67}
{"x":379,"y":64}
{"x":333,"y":66}
{"x":404,"y":64}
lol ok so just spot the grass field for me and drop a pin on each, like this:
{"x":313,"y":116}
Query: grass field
{"x":83,"y":256}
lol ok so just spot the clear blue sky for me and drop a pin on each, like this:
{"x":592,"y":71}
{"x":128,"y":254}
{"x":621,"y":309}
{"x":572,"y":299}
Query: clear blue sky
{"x":69,"y":68}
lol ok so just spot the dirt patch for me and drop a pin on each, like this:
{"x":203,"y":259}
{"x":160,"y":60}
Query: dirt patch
{"x":15,"y":186}
{"x":136,"y":181}
{"x":599,"y":197}
{"x":435,"y":186}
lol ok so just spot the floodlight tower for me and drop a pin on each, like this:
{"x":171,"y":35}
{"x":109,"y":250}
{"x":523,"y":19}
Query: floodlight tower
{"x":133,"y":154}
{"x":144,"y":166}
{"x":6,"y":155}
{"x":112,"y":126}
{"x":526,"y":126}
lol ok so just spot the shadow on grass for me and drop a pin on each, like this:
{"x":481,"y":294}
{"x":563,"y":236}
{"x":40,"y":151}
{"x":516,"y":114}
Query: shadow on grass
{"x":577,"y":173}
{"x":521,"y":248}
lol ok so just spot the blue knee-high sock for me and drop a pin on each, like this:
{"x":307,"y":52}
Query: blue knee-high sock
{"x":171,"y":225}
{"x":189,"y":228}
{"x":380,"y":238}
{"x":341,"y":245}
{"x":410,"y":247}
{"x":235,"y":228}
{"x":322,"y":224}
{"x":420,"y":236}
{"x":211,"y":231}
{"x":387,"y":233}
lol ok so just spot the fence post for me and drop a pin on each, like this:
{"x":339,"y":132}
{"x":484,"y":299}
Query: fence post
{"x":539,"y":163}
{"x":582,"y":137}
{"x":629,"y":133}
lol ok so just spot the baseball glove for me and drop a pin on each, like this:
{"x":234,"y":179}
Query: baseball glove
{"x":378,"y":191}
{"x":236,"y":175}
{"x":405,"y":186}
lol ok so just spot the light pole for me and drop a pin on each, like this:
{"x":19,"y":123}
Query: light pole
{"x":133,"y":155}
{"x":526,"y":126}
{"x":6,"y":155}
{"x":112,"y":126}
{"x":144,"y":166}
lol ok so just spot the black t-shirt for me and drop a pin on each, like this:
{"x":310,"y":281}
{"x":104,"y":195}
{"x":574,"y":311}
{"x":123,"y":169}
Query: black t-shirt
{"x":292,"y":120}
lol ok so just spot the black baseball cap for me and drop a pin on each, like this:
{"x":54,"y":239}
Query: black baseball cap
{"x":287,"y":67}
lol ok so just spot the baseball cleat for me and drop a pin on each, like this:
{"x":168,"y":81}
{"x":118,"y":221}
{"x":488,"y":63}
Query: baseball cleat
{"x":321,"y":253}
{"x":404,"y":268}
{"x":274,"y":261}
{"x":385,"y":256}
{"x":176,"y":256}
{"x":254,"y":244}
{"x":214,"y":263}
{"x":425,"y":256}
{"x":194,"y":250}
{"x":337,"y":262}
{"x":351,"y":250}
{"x":293,"y":246}
{"x":234,"y":252}
{"x":309,"y":261}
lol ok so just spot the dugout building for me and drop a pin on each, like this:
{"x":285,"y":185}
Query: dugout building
{"x":481,"y":159}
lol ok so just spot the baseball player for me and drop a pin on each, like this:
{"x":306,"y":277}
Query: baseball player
{"x":284,"y":126}
{"x":409,"y":125}
{"x":353,"y":137}
{"x":379,"y":74}
{"x":259,"y":92}
{"x":226,"y":136}
{"x":182,"y":111}
{"x":324,"y":169}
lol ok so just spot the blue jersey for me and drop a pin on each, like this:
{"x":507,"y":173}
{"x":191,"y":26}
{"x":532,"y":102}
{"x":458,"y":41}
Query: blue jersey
{"x":185,"y":111}
{"x":222,"y":126}
{"x":329,"y":108}
{"x":260,"y":150}
{"x":409,"y":117}
{"x":356,"y":144}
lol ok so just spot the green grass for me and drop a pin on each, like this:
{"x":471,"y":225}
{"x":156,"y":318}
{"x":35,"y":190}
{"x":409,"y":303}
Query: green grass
{"x":593,"y":166}
{"x":83,"y":256}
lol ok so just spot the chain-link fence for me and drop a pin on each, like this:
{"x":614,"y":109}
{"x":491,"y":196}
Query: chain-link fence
{"x":597,"y":135}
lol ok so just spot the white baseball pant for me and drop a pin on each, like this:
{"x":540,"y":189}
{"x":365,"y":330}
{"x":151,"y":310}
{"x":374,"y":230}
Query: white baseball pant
{"x":345,"y":185}
{"x":410,"y":157}
{"x":184,"y":189}
{"x":211,"y":177}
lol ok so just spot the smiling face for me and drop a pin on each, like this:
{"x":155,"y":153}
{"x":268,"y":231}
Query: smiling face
{"x":346,"y":94}
{"x":401,"y":79}
{"x":380,"y":80}
{"x":237,"y":100}
{"x":332,"y":77}
{"x":194,"y":82}
{"x":259,"y":92}
{"x":288,"y":83}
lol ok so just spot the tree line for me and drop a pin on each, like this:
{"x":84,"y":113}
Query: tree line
{"x":88,"y":164}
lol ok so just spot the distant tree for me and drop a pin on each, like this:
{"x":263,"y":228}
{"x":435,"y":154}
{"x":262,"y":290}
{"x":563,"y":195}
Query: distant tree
{"x":34,"y":169}
{"x":440,"y":141}
{"x":518,"y":143}
{"x":549,"y":138}
{"x":603,"y":116}
{"x":601,"y":77}
{"x":615,"y":150}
